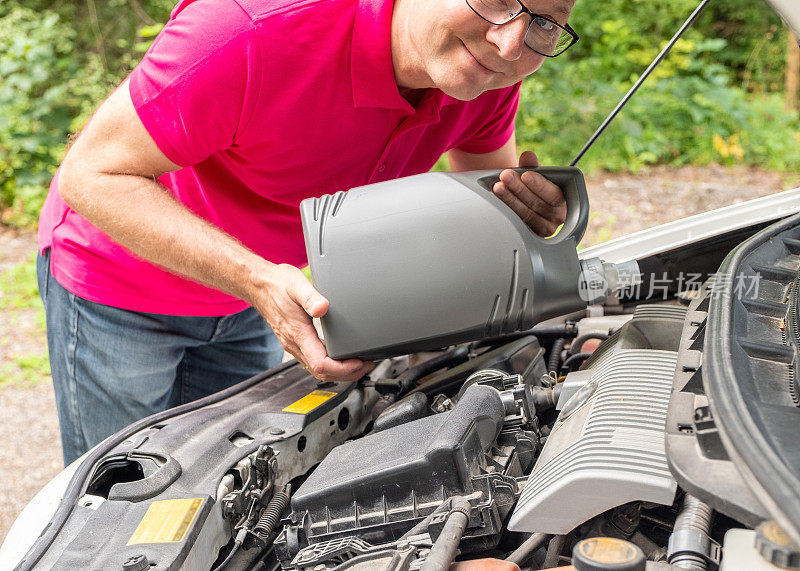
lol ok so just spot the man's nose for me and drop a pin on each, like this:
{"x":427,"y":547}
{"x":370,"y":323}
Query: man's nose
{"x":509,"y":37}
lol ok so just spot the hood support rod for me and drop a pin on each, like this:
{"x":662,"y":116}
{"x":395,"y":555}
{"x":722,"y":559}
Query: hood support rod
{"x":639,"y":81}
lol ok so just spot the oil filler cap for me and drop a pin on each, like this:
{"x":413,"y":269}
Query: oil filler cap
{"x":775,"y":545}
{"x":607,"y":554}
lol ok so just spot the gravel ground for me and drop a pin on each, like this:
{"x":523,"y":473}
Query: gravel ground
{"x":30,"y":452}
{"x":622,"y":204}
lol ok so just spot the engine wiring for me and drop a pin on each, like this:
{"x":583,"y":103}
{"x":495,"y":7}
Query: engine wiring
{"x":572,"y":359}
{"x":236,"y":545}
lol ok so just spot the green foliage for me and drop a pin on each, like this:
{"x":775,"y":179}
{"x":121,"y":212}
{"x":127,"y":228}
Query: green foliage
{"x":43,"y":88}
{"x":56,"y":65}
{"x":756,"y":43}
{"x":24,"y":371}
{"x":19,"y":294}
{"x":443,"y":164}
{"x":716,"y":98}
{"x":19,"y":288}
{"x":693,"y":109}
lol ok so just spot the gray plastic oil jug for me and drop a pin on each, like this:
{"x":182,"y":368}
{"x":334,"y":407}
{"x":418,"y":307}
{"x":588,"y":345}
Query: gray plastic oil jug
{"x":436,"y":259}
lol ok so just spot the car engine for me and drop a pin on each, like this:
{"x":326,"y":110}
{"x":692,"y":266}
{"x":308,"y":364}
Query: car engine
{"x":510,"y":437}
{"x":533,"y":447}
{"x":598,"y":440}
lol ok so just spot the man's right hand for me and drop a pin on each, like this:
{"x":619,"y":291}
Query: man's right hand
{"x":288,"y":301}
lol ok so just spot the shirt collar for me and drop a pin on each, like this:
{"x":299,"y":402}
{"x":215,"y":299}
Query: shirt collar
{"x":371,"y":68}
{"x":374,"y":84}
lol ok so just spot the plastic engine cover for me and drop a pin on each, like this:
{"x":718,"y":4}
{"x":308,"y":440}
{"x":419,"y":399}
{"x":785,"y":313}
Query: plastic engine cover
{"x":608,"y":445}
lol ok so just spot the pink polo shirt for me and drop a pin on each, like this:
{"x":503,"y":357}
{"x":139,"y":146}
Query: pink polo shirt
{"x":265,"y":103}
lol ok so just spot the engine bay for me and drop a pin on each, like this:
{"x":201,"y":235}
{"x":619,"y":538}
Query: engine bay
{"x":538,"y":447}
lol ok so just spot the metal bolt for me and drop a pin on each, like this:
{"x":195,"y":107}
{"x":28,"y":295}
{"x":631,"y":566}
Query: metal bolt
{"x":276,"y":431}
{"x":136,"y":563}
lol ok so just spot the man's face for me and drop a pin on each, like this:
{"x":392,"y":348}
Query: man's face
{"x":464,"y":55}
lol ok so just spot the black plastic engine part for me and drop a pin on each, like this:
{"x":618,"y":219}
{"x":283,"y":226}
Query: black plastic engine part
{"x":99,"y":534}
{"x":749,"y":357}
{"x":376,"y":490}
{"x":520,"y":357}
{"x":695,"y":453}
{"x":412,"y":407}
{"x":406,"y":380}
{"x":765,"y":358}
{"x":568,"y":330}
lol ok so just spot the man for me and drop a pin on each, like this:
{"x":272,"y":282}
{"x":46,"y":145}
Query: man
{"x":191,"y":173}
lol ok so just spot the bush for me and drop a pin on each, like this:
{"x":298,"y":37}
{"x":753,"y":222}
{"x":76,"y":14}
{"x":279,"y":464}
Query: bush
{"x":712,"y":100}
{"x":688,"y":111}
{"x":50,"y":82}
{"x":43,"y":89}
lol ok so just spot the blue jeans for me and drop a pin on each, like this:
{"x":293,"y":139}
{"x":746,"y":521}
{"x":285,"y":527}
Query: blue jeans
{"x":112,"y":366}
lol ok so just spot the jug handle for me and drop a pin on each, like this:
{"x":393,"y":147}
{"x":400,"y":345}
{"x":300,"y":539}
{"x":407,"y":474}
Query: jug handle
{"x":570,"y":180}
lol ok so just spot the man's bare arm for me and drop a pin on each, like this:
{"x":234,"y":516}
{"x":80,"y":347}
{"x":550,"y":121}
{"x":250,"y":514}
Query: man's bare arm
{"x":109,"y":176}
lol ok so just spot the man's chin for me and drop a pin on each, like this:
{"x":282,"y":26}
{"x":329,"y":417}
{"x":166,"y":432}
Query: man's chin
{"x":465,"y":90}
{"x":466,"y":86}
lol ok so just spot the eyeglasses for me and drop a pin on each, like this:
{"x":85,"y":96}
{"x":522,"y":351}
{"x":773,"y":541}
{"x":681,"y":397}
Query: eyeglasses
{"x":544,"y":36}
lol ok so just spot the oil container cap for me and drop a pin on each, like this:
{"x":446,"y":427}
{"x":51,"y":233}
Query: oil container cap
{"x":775,"y":545}
{"x":607,"y":554}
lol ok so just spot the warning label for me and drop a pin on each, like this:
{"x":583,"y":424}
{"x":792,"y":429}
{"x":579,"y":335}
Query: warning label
{"x":166,"y":521}
{"x":310,"y":402}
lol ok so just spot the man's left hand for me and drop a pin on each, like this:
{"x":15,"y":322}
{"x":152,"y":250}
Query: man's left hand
{"x":536,"y":200}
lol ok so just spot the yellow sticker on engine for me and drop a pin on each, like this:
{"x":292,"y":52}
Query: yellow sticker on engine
{"x":166,"y":521}
{"x":310,"y":402}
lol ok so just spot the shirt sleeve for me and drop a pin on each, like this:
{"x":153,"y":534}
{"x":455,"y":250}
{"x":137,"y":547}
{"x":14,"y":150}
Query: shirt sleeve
{"x":499,"y":127}
{"x":196,"y":87}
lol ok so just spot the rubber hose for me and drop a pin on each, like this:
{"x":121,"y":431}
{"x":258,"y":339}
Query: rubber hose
{"x":273,"y":512}
{"x":423,"y":524}
{"x":444,"y":548}
{"x":554,"y":551}
{"x":694,"y":516}
{"x":415,"y":373}
{"x":545,"y":398}
{"x":555,"y":355}
{"x":567,"y":330}
{"x":577,"y":344}
{"x":382,"y":404}
{"x":521,"y":554}
{"x":577,"y":357}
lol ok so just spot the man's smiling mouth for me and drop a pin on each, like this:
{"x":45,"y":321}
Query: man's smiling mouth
{"x":477,"y":61}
